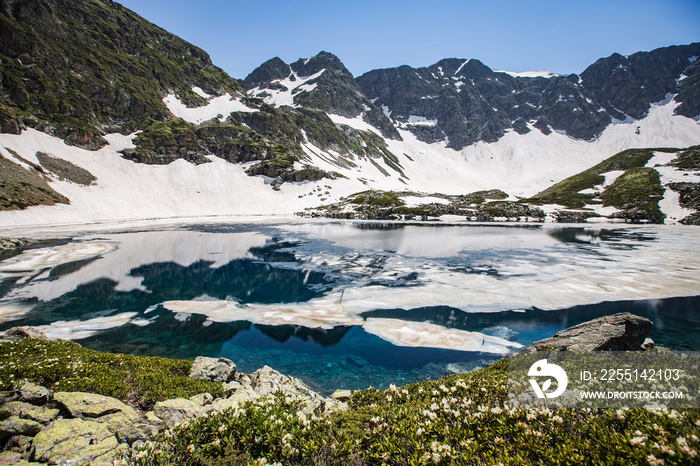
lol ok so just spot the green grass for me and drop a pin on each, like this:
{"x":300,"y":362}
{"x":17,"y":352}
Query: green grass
{"x":66,"y":366}
{"x":689,"y":159}
{"x":638,"y":188}
{"x":459,"y":419}
{"x":377,"y":199}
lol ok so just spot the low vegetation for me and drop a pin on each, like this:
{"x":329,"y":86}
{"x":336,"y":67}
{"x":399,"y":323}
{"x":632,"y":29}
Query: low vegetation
{"x":66,"y":366}
{"x":461,"y":419}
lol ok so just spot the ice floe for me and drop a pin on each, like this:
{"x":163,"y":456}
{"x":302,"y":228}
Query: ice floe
{"x":427,"y":335}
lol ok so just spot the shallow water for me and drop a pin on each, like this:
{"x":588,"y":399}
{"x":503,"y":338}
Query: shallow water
{"x":351,"y":304}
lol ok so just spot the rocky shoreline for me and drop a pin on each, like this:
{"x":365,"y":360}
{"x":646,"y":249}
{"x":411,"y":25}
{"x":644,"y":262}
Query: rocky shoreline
{"x":38,"y":426}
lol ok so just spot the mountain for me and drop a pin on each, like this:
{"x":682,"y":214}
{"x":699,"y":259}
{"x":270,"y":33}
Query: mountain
{"x":465,"y":101}
{"x":104,"y":115}
{"x":322,"y":83}
{"x":79,"y":69}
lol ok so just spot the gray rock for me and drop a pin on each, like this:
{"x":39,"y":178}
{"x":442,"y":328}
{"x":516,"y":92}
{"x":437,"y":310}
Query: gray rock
{"x":342,"y":395}
{"x":648,"y":344}
{"x":18,"y":443}
{"x":76,"y":442}
{"x":177,"y":410}
{"x":15,"y":425}
{"x":24,"y":410}
{"x":137,"y":432}
{"x":232,"y":386}
{"x":203,"y":399}
{"x":11,"y":457}
{"x":214,"y":369}
{"x":267,"y":381}
{"x":33,"y":393}
{"x":88,"y":405}
{"x":238,"y":397}
{"x":26,"y":332}
{"x":617,"y":332}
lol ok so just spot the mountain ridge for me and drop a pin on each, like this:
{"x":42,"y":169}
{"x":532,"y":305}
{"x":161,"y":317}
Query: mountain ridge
{"x":295,"y":135}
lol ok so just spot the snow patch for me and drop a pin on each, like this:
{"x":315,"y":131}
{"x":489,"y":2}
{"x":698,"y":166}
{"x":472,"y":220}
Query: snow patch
{"x":293,"y":85}
{"x":529,"y":74}
{"x":200,"y":92}
{"x":79,"y":329}
{"x":420,"y":121}
{"x":221,"y":106}
{"x":670,"y":204}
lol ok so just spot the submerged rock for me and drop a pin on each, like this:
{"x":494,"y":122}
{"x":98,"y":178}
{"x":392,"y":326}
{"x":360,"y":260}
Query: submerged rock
{"x":617,"y":332}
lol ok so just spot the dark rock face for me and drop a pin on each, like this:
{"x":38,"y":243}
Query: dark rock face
{"x":617,"y":332}
{"x":471,"y":103}
{"x":269,"y":71}
{"x":630,"y":84}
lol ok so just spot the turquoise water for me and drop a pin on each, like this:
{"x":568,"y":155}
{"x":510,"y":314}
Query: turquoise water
{"x":119,"y":299}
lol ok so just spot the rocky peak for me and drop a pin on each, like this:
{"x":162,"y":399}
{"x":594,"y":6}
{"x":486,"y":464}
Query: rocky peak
{"x":469,"y":102}
{"x":334,"y":90}
{"x":322,"y":61}
{"x":269,"y":71}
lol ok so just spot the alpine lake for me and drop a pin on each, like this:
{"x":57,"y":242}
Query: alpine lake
{"x":350,"y":304}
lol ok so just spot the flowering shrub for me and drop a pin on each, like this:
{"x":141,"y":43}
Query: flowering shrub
{"x":459,"y":419}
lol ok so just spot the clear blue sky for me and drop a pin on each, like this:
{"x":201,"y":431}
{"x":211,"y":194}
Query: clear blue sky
{"x":561,"y":36}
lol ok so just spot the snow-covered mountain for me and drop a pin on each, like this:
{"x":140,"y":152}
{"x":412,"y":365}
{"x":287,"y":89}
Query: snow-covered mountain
{"x":164,"y":133}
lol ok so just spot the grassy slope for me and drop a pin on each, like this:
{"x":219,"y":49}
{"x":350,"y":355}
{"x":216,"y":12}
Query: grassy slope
{"x":638,"y":189}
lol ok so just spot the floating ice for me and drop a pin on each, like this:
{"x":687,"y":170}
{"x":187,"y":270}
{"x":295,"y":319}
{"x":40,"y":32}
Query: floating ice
{"x":424,"y":334}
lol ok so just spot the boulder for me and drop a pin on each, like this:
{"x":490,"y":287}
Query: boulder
{"x":342,"y":395}
{"x":617,"y":332}
{"x":33,"y":393}
{"x":13,"y":458}
{"x":267,"y":381}
{"x":137,"y":432}
{"x":230,"y":387}
{"x":88,"y":405}
{"x":178,"y":410}
{"x":214,"y":369}
{"x":40,"y":414}
{"x":76,"y":442}
{"x":15,"y":425}
{"x":19,"y":444}
{"x":203,"y":399}
{"x":26,"y":332}
{"x":239,"y":396}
